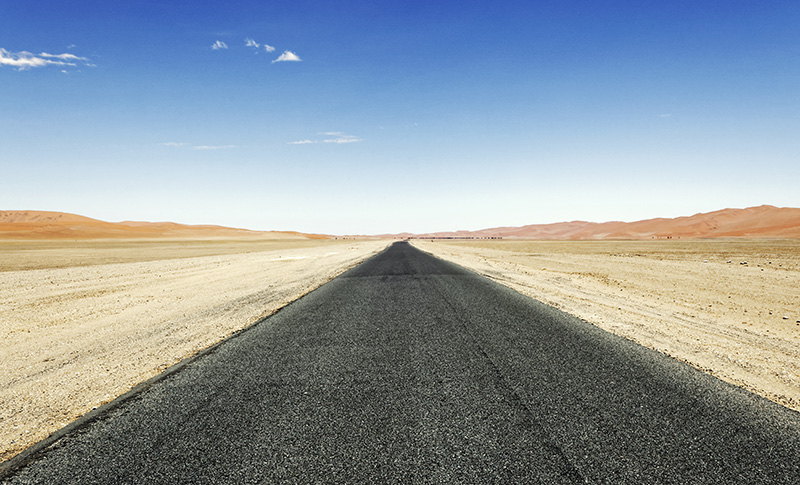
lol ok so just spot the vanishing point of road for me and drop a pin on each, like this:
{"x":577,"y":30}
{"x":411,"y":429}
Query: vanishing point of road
{"x":409,"y":369}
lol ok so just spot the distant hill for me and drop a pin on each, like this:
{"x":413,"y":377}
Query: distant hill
{"x":60,"y":225}
{"x":765,"y":221}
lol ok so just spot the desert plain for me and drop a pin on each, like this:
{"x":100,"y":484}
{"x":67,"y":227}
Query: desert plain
{"x":83,"y":322}
{"x":728,"y":307}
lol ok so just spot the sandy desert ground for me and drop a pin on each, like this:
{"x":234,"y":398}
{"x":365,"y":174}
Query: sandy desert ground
{"x":83,"y":322}
{"x":696,"y":301}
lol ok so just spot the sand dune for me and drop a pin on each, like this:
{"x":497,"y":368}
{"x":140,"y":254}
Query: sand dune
{"x":765,"y":221}
{"x":59,"y":225}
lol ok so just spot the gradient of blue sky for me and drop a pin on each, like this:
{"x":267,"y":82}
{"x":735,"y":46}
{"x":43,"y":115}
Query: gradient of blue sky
{"x":457,"y":114}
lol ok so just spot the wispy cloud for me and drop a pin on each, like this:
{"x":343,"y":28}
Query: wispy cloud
{"x":287,"y":56}
{"x":339,"y":137}
{"x":212,"y":147}
{"x":665,"y":115}
{"x":257,"y":46}
{"x":349,"y":139}
{"x":63,"y":57}
{"x":173,"y":144}
{"x":25,"y":60}
{"x":330,"y":137}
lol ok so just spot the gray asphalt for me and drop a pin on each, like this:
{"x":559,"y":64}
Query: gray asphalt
{"x":409,"y":369}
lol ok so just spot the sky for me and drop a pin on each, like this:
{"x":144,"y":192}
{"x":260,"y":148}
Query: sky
{"x":384,"y":116}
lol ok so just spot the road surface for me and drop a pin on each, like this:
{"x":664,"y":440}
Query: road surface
{"x":409,"y":369}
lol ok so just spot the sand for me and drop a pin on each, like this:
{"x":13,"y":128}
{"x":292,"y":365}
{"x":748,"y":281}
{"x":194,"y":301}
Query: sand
{"x":83,"y":322}
{"x":762,"y":222}
{"x":43,"y":225}
{"x":694,"y":301}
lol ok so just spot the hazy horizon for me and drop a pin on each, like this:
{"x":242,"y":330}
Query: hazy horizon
{"x":371,"y":118}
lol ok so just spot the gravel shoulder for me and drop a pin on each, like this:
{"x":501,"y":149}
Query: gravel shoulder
{"x":729,"y":308}
{"x":80,"y":328}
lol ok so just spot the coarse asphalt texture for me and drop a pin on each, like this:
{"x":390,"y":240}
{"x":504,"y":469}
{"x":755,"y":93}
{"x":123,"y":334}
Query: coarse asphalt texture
{"x":410,"y":369}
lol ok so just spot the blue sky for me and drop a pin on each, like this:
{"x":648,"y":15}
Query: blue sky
{"x":389,"y":116}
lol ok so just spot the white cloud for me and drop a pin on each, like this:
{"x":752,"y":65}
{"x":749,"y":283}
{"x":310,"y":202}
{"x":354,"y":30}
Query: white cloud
{"x":252,"y":43}
{"x":212,"y":147}
{"x":287,"y":56}
{"x":173,"y":144}
{"x":344,"y":139}
{"x":665,"y":115}
{"x":25,"y":60}
{"x":21,"y":60}
{"x":64,"y":57}
{"x":339,"y":138}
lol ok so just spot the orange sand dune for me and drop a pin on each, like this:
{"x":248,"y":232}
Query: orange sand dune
{"x":765,"y":221}
{"x":59,"y":225}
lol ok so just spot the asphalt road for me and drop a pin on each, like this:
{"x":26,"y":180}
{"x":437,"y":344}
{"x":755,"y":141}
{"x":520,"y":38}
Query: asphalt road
{"x":408,"y":369}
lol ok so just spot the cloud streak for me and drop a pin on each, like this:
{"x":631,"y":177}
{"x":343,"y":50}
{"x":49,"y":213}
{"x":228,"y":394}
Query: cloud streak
{"x":348,"y":139}
{"x":212,"y":147}
{"x":25,"y":60}
{"x":330,"y":137}
{"x":286,"y":56}
{"x":339,"y":137}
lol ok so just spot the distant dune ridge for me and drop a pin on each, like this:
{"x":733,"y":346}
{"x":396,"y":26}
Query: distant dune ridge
{"x":765,"y":221}
{"x":60,"y":225}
